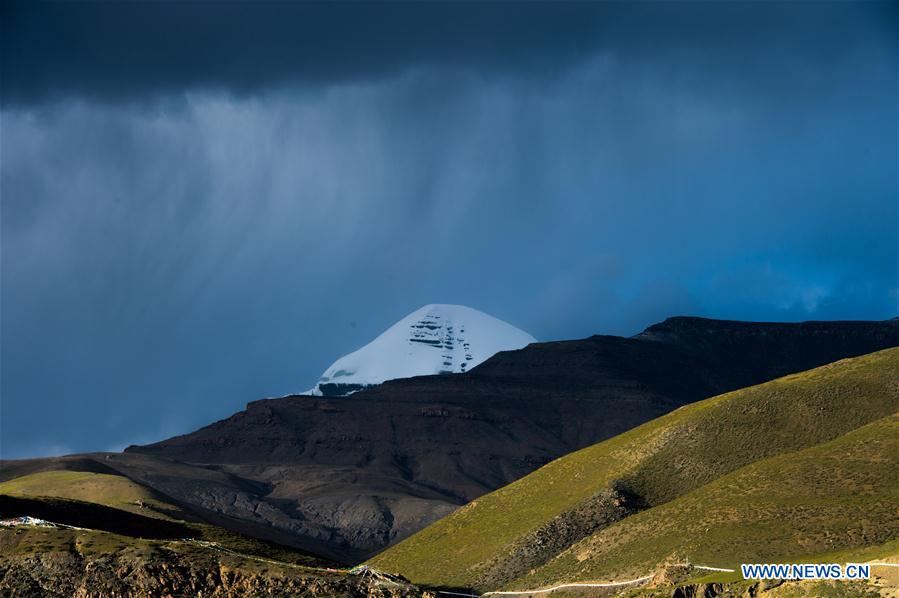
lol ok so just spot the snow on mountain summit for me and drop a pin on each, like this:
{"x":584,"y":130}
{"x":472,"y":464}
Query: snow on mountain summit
{"x":435,"y":339}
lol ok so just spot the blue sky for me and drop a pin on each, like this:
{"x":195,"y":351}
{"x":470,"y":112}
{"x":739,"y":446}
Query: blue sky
{"x":195,"y":217}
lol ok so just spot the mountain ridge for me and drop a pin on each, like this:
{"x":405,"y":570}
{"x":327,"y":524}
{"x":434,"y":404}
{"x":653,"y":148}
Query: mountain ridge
{"x":347,"y":476}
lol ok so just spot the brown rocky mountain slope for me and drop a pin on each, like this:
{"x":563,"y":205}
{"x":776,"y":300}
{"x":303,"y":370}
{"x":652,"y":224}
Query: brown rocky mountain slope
{"x":347,"y":476}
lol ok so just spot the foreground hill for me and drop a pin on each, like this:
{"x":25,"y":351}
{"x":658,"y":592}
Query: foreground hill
{"x":836,"y":497}
{"x":348,"y":476}
{"x":793,"y":468}
{"x":51,"y":546}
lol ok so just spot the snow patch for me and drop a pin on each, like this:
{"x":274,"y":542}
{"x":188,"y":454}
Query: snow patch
{"x":436,"y":339}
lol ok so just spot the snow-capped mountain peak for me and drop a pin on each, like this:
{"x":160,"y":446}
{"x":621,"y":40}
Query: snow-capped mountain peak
{"x":434,"y":339}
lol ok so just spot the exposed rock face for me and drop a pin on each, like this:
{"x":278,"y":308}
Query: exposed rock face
{"x":346,"y":476}
{"x":68,"y":574}
{"x":767,"y":589}
{"x":536,"y":548}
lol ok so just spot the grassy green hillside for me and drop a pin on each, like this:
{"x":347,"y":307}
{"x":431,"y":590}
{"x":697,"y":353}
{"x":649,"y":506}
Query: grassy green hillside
{"x":490,"y":541}
{"x":838,"y":496}
{"x":105,"y":489}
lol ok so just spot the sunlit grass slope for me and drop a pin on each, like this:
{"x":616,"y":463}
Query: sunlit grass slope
{"x":100,"y":488}
{"x":658,"y":461}
{"x":837,"y":496}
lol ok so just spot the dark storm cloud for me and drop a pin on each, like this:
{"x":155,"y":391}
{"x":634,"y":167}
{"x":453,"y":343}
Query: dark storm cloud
{"x":139,"y":49}
{"x":204,"y":204}
{"x":125,"y":49}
